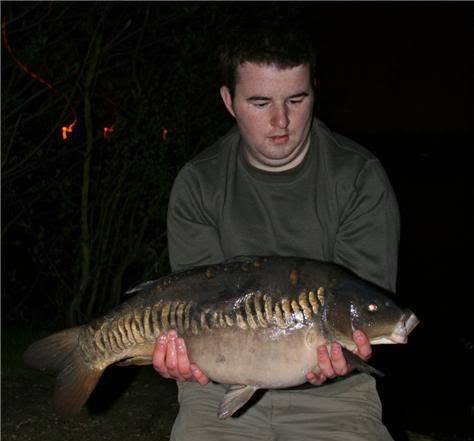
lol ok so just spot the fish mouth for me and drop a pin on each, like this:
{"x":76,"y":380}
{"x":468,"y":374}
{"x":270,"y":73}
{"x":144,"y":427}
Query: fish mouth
{"x":403,"y":328}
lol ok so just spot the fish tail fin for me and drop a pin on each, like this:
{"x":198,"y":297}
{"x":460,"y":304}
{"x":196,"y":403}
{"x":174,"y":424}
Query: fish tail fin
{"x":76,"y":379}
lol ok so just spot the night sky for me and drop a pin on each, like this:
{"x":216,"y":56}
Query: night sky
{"x":395,"y":77}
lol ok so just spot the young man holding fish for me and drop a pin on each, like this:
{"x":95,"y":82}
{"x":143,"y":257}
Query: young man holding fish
{"x":281,"y":183}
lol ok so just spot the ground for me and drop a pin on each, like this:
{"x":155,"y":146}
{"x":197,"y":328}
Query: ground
{"x":129,"y":403}
{"x":143,"y":408}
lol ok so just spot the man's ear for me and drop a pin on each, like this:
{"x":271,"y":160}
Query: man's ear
{"x":227,"y":98}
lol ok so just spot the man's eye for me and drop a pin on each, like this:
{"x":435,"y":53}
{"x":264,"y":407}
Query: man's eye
{"x":260,"y":105}
{"x":296,"y":101}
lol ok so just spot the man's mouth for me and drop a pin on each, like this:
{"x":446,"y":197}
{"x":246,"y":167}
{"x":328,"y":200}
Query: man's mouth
{"x":279,"y":139}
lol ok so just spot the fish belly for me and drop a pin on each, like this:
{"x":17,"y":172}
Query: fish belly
{"x":265,"y":358}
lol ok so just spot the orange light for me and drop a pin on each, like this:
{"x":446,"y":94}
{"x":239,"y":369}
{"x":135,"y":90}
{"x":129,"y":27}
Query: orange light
{"x":68,"y":129}
{"x":108,"y":132}
{"x":164,"y":134}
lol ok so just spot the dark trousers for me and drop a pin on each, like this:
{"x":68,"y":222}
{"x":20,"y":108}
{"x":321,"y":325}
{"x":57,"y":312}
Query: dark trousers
{"x":348,"y":410}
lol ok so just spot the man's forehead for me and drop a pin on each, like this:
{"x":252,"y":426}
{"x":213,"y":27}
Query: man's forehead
{"x":256,"y":76}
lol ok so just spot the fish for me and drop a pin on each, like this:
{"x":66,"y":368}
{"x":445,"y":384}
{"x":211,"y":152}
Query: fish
{"x":251,"y":322}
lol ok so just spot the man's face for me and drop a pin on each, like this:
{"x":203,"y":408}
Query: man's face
{"x":274,"y":110}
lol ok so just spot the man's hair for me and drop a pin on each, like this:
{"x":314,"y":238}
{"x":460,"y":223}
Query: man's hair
{"x":270,"y":44}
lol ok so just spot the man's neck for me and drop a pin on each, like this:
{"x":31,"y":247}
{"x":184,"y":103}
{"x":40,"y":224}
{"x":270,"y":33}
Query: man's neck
{"x":295,"y":162}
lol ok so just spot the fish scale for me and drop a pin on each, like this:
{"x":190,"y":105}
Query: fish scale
{"x":141,"y":326}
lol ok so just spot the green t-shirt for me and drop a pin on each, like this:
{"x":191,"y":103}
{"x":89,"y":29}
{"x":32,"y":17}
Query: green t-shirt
{"x":336,"y":206}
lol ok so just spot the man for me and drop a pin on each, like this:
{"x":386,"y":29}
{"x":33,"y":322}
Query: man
{"x":281,"y":183}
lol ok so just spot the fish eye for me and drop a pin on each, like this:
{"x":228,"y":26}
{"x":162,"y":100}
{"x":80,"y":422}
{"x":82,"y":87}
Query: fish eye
{"x":373,"y":307}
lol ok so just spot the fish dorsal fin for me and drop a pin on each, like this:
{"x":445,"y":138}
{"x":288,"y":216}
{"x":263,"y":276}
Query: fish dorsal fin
{"x":235,"y":397}
{"x":359,"y":364}
{"x":142,"y":287}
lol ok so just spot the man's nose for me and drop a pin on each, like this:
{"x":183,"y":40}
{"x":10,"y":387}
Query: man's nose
{"x":280,"y":117}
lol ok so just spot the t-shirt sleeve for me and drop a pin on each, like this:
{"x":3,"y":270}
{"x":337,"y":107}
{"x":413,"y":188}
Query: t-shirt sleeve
{"x":193,"y":238}
{"x":367,"y":239}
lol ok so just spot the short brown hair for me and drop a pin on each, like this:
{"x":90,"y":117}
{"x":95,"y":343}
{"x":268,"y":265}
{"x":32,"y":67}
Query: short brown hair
{"x":272,"y":44}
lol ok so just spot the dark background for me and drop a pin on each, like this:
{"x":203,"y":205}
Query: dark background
{"x":395,"y":77}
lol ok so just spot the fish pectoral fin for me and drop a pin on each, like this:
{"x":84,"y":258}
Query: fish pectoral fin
{"x":359,"y":364}
{"x":235,"y":397}
{"x":142,"y":360}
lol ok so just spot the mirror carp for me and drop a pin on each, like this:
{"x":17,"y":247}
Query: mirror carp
{"x":250,"y":322}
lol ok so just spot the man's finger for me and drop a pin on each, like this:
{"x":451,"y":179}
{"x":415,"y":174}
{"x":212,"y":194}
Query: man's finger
{"x":183,"y":360}
{"x":198,"y":374}
{"x":364,"y":348}
{"x":324,"y":362}
{"x":171,"y":356}
{"x":316,"y":379}
{"x":159,"y":355}
{"x":338,"y":361}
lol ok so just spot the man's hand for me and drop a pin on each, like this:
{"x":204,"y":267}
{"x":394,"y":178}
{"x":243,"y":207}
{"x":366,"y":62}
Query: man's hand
{"x":336,"y":365}
{"x":170,"y":359}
